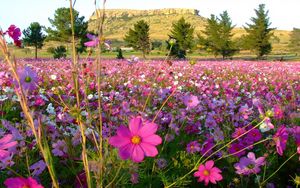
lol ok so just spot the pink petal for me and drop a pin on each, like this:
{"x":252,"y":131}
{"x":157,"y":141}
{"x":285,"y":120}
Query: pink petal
{"x":4,"y":154}
{"x":209,"y":164}
{"x":126,"y":151}
{"x":119,"y":141}
{"x":6,"y":138}
{"x":197,"y":174}
{"x":135,"y":124}
{"x":153,"y":139}
{"x":90,"y":44}
{"x":124,"y":132}
{"x":150,"y":150}
{"x":137,"y":154}
{"x":206,"y":180}
{"x":148,"y":129}
{"x":251,"y":155}
{"x":212,"y":179}
{"x":9,"y":145}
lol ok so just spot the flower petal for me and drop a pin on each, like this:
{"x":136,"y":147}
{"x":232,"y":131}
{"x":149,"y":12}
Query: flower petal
{"x":148,"y":129}
{"x":125,"y":152}
{"x":6,"y":138}
{"x":150,"y":150}
{"x":209,"y":164}
{"x":123,"y":131}
{"x":137,"y":154}
{"x":153,"y":139}
{"x":135,"y":124}
{"x":119,"y":141}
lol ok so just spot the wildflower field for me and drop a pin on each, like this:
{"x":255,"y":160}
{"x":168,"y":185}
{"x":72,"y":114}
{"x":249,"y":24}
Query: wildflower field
{"x":147,"y":123}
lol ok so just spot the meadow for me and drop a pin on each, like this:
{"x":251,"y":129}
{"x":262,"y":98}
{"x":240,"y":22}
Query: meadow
{"x":150,"y":123}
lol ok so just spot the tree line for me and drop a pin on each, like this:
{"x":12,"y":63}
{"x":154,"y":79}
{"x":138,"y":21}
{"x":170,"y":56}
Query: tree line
{"x":216,"y":38}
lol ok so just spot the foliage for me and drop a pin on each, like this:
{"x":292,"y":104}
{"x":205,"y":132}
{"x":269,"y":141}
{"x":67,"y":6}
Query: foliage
{"x":59,"y":52}
{"x":218,"y":32}
{"x":259,"y":33}
{"x":60,"y":29}
{"x":295,"y":40}
{"x":33,"y":36}
{"x":119,"y":53}
{"x":183,"y":34}
{"x":138,"y":37}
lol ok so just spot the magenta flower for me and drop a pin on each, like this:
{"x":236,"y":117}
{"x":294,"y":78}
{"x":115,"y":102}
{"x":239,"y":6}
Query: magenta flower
{"x":28,"y":79}
{"x":249,"y":165}
{"x":14,"y":33}
{"x":21,"y":182}
{"x":190,"y":101}
{"x":193,"y":147}
{"x":94,"y":41}
{"x":236,"y":148}
{"x":208,"y":173}
{"x":137,"y":141}
{"x":280,"y":139}
{"x":6,"y":143}
{"x":278,"y":113}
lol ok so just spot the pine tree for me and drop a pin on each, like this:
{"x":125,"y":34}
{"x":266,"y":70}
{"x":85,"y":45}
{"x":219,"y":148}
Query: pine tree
{"x":61,"y":28}
{"x":33,"y":36}
{"x":295,"y":40}
{"x":138,"y":37}
{"x":218,"y":36}
{"x":183,"y":34}
{"x":259,"y":33}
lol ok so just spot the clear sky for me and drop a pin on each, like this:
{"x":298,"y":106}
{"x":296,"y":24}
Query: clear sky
{"x":284,"y":14}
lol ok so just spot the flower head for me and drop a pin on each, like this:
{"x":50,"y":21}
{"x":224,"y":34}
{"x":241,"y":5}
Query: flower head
{"x":21,"y":182}
{"x":280,"y":138}
{"x":249,"y":165}
{"x":38,"y":168}
{"x":193,"y":147}
{"x":137,"y":141}
{"x":28,"y":78}
{"x":208,"y":173}
{"x":94,"y":40}
{"x":14,"y":33}
{"x":190,"y":101}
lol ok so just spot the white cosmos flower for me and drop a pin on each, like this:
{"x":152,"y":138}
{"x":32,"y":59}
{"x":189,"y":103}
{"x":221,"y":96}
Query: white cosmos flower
{"x":53,"y":77}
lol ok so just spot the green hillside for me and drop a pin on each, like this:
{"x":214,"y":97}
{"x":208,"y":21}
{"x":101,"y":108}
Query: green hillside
{"x":118,"y":22}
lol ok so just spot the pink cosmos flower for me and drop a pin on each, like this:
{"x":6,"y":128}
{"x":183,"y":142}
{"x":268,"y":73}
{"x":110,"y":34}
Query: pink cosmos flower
{"x":280,"y":139}
{"x":5,"y":143}
{"x":94,"y":40}
{"x":137,"y":141}
{"x":21,"y":182}
{"x":190,"y":101}
{"x":208,"y":173}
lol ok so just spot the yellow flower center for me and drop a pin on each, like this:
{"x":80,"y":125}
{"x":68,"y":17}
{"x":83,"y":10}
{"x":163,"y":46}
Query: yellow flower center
{"x":206,"y":173}
{"x":25,"y":186}
{"x":136,"y":140}
{"x":190,"y":101}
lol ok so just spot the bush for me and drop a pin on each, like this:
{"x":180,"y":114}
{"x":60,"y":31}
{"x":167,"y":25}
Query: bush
{"x":120,"y":53}
{"x":59,"y":52}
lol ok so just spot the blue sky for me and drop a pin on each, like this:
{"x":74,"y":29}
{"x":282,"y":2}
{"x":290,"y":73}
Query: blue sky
{"x":284,"y":14}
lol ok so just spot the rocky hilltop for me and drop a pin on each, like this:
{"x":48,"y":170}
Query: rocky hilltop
{"x":119,"y":13}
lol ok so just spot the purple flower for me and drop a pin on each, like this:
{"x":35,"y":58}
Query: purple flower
{"x":280,"y":139}
{"x":59,"y":148}
{"x":38,"y":168}
{"x":206,"y":147}
{"x":249,"y":165}
{"x":193,"y":147}
{"x":6,"y":143}
{"x":94,"y":40}
{"x":161,"y":163}
{"x":190,"y":101}
{"x":235,"y":149}
{"x":14,"y":33}
{"x":7,"y":161}
{"x":28,"y":79}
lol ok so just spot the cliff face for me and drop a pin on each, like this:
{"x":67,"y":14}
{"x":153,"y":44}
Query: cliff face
{"x":118,"y":13}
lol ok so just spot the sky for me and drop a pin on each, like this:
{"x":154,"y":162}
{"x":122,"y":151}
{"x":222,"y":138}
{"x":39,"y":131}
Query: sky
{"x":284,"y":15}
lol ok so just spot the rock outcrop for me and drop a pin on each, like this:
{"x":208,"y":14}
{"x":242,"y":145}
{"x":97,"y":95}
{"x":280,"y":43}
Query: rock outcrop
{"x":118,"y":13}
